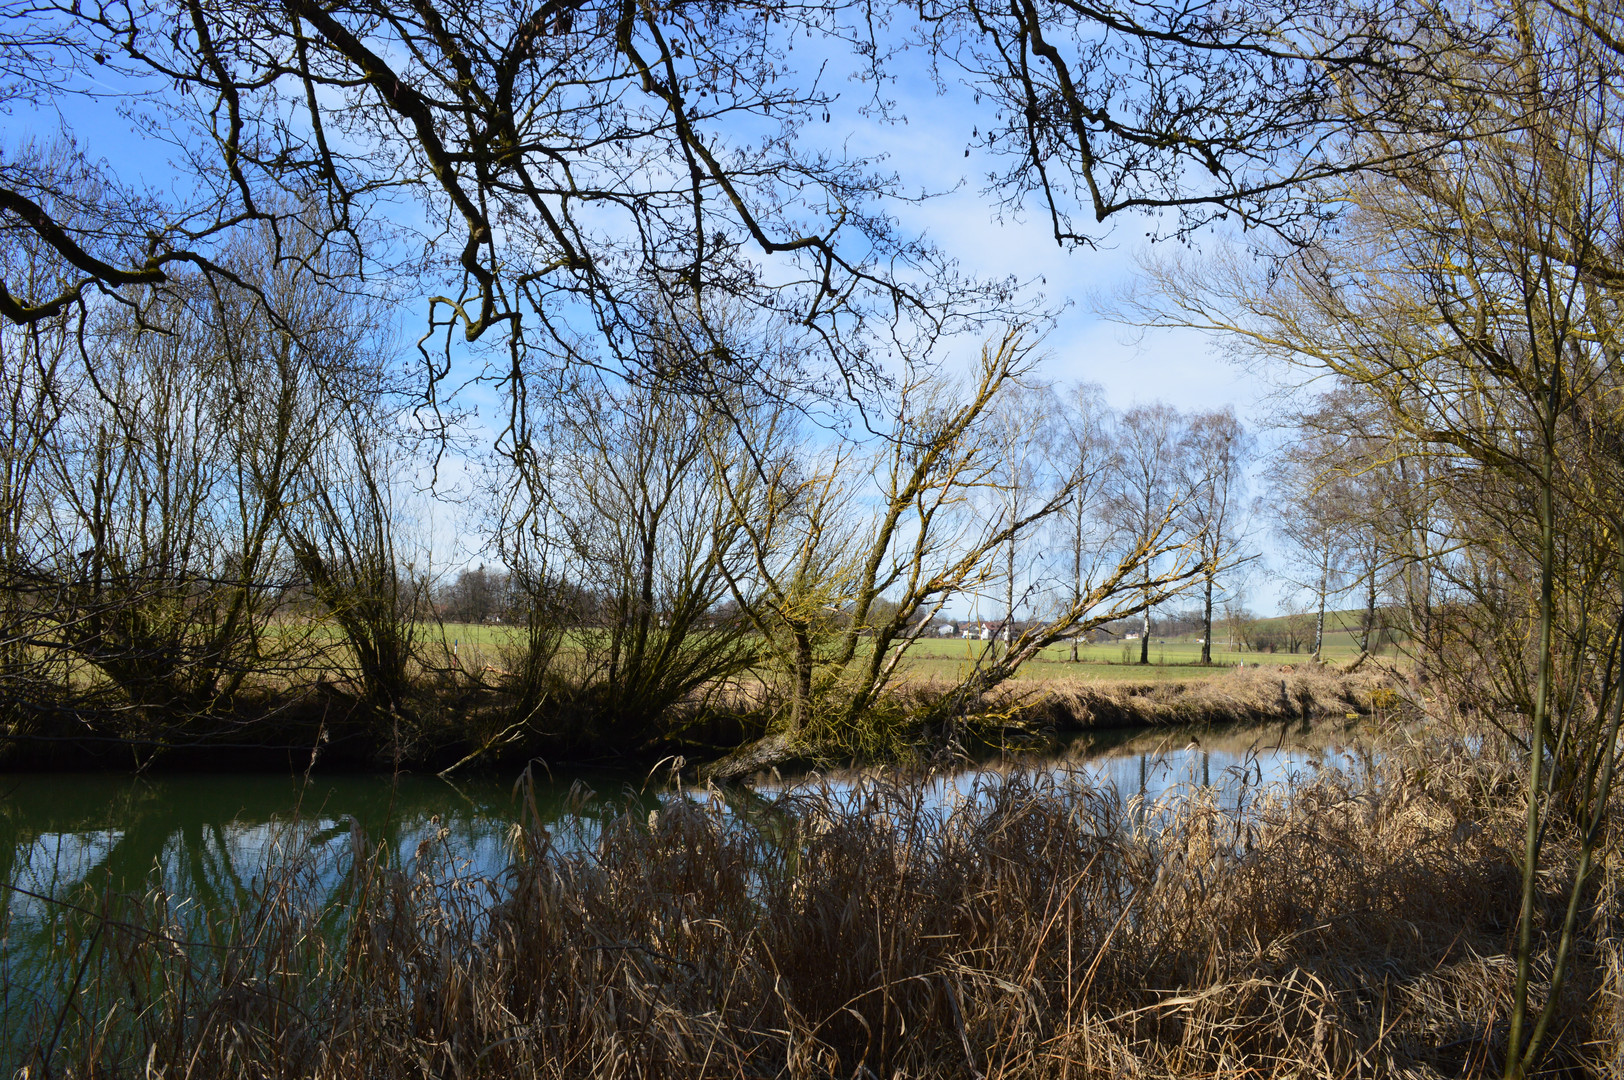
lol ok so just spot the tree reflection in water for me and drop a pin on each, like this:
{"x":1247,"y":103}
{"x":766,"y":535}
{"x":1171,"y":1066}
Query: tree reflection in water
{"x":70,"y":842}
{"x":207,"y":844}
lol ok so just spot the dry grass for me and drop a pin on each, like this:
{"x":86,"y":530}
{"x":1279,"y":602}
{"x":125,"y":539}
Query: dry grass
{"x":1041,"y":929}
{"x":1246,"y":695}
{"x":907,"y":723}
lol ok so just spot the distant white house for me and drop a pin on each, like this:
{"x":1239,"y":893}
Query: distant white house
{"x":947,"y":629}
{"x":1132,"y":635}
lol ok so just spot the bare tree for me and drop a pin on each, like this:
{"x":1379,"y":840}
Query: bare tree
{"x":349,"y":531}
{"x":1245,"y":113}
{"x":1360,"y":454}
{"x":1471,"y":297}
{"x":812,"y":556}
{"x":173,"y":466}
{"x":1149,"y":489}
{"x":793,"y":510}
{"x":569,"y":161}
{"x":37,"y":371}
{"x":1310,"y":503}
{"x":646,"y":535}
{"x":568,"y":157}
{"x":475,"y":595}
{"x":1240,"y":623}
{"x":1022,"y":427}
{"x":1218,"y":451}
{"x":1083,"y":454}
{"x":846,"y":594}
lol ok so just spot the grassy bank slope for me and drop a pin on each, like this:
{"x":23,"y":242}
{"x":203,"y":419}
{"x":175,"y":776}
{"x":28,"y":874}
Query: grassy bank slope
{"x":1277,"y":694}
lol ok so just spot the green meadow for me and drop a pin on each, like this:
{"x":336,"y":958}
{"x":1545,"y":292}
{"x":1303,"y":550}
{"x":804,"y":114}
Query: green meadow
{"x":475,"y":646}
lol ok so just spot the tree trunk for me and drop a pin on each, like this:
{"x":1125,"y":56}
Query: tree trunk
{"x":1144,"y":639}
{"x":1009,"y":593}
{"x":1319,"y":616}
{"x":1206,"y":625}
{"x":1370,"y":612}
{"x":1076,"y":574}
{"x":644,"y":622}
{"x":801,"y":708}
{"x":1517,"y":1054}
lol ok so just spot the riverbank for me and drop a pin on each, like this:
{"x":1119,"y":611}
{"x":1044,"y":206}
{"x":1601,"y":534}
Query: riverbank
{"x":1036,"y":714}
{"x":462,"y":722}
{"x":1351,"y":925}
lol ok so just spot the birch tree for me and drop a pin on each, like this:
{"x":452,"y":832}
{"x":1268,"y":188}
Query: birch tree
{"x":1217,"y":452}
{"x":1150,"y":490}
{"x":1084,"y":454}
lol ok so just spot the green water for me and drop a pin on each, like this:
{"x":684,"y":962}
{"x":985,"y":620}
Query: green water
{"x":71,"y":843}
{"x":208,"y":836}
{"x":209,"y":841}
{"x":204,"y":835}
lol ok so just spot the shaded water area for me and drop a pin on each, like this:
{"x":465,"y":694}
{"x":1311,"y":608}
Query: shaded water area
{"x":212,"y":841}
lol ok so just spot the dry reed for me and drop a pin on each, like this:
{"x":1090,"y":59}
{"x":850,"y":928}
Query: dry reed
{"x":1041,"y":928}
{"x":1241,"y":695}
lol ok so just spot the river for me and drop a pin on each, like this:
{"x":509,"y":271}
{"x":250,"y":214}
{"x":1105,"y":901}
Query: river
{"x":205,"y":835}
{"x":207,"y":840}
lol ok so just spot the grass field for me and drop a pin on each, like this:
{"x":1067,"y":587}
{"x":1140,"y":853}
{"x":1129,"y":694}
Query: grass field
{"x":478,"y":645}
{"x":1170,"y":659}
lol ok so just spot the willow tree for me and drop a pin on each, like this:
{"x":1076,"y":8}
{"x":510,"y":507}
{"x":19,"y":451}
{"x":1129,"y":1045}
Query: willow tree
{"x":846,"y":573}
{"x":820,"y":567}
{"x":642,"y":534}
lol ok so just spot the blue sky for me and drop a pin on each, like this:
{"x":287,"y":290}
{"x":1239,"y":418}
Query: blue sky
{"x":928,"y":152}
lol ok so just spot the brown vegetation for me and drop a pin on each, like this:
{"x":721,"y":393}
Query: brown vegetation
{"x":1278,"y":695}
{"x":923,"y":717}
{"x":1346,"y":927}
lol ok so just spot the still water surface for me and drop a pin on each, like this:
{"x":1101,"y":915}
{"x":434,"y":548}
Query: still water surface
{"x":209,"y":841}
{"x":206,"y":837}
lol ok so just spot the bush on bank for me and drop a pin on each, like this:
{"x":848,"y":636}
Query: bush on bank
{"x":469,"y":717}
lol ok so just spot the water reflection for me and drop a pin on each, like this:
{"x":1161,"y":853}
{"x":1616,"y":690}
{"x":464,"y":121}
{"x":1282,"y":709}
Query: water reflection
{"x":208,"y":837}
{"x":67,"y":839}
{"x":1232,"y":761}
{"x":210,"y":842}
{"x":1154,"y":766}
